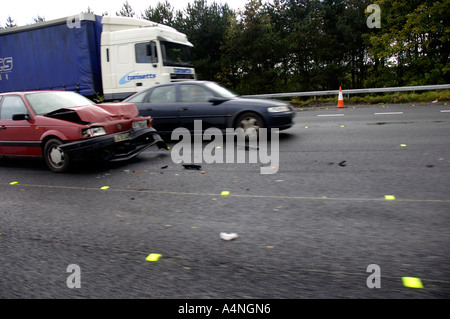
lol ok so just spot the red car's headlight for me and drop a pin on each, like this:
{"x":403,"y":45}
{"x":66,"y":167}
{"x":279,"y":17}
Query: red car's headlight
{"x":141,"y":124}
{"x":93,"y":131}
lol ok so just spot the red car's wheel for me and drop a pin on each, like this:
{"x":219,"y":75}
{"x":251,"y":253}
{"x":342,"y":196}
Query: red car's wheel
{"x":56,"y":160}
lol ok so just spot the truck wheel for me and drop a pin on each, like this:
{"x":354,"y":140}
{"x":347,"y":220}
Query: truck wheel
{"x":56,"y":160}
{"x":250,"y":123}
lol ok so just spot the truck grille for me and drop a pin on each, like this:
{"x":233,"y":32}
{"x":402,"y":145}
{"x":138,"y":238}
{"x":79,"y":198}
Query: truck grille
{"x":177,"y":77}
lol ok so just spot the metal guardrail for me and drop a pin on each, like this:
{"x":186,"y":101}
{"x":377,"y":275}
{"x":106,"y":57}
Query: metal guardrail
{"x":354,"y":91}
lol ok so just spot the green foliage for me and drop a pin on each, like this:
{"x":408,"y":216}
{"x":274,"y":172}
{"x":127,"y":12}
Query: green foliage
{"x":251,"y":50}
{"x":412,"y":47}
{"x":10,"y":23}
{"x":205,"y":26}
{"x":126,"y":10}
{"x":163,"y":13}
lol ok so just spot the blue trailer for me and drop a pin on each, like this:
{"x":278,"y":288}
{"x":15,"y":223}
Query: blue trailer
{"x":52,"y":56}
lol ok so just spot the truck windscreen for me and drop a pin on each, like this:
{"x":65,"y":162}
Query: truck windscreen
{"x":175,"y":54}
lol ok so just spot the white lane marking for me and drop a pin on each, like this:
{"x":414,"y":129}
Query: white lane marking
{"x":330,"y":115}
{"x":445,"y":111}
{"x":388,"y":113}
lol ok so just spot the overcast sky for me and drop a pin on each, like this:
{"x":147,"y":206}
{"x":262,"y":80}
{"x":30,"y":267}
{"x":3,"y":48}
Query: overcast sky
{"x":23,"y":11}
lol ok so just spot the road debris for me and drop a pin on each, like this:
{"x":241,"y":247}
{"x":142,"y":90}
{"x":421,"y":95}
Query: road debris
{"x":192,"y":166}
{"x":412,"y":282}
{"x":228,"y":236}
{"x":153,"y":257}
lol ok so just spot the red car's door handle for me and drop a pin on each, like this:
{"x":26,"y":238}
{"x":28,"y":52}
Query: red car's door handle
{"x":2,"y":127}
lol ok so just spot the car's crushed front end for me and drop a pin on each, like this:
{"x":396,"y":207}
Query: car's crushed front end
{"x":114,"y":147}
{"x":109,"y":131}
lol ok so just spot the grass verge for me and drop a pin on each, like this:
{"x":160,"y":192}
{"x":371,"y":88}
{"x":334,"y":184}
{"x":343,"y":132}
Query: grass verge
{"x":377,"y":98}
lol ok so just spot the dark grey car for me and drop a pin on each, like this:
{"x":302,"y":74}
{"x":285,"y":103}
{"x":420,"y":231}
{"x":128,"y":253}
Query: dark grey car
{"x":179,"y":104}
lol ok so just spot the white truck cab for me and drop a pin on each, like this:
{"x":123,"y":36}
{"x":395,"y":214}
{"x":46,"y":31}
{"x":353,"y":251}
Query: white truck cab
{"x":137,"y":54}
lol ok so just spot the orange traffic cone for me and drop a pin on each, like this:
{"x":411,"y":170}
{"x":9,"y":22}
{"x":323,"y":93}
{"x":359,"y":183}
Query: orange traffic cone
{"x":340,"y":99}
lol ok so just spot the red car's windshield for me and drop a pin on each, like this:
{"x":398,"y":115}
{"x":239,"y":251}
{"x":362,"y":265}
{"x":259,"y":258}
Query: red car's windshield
{"x":46,"y":102}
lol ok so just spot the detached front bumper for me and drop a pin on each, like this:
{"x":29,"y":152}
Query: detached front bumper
{"x":114,"y":147}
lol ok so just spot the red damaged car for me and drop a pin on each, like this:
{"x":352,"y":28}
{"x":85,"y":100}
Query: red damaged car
{"x":63,"y":126}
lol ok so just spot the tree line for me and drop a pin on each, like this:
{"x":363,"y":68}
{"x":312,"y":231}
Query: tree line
{"x":307,"y":45}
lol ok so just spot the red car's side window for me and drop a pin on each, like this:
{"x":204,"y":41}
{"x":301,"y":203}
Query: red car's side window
{"x":12,"y":104}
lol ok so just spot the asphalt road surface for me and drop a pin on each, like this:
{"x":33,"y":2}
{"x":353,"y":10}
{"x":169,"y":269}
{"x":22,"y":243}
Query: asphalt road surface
{"x":320,"y":227}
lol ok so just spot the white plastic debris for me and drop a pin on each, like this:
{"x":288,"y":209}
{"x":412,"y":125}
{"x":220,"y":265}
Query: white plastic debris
{"x":226,"y":236}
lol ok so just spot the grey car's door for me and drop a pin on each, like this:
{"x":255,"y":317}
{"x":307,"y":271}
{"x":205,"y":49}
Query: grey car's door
{"x":195,"y":105}
{"x":161,"y":104}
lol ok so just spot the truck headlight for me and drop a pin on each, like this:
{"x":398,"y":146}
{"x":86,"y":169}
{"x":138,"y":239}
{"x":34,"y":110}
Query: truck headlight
{"x":277,"y":109}
{"x":140,"y":124}
{"x":93,"y":131}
